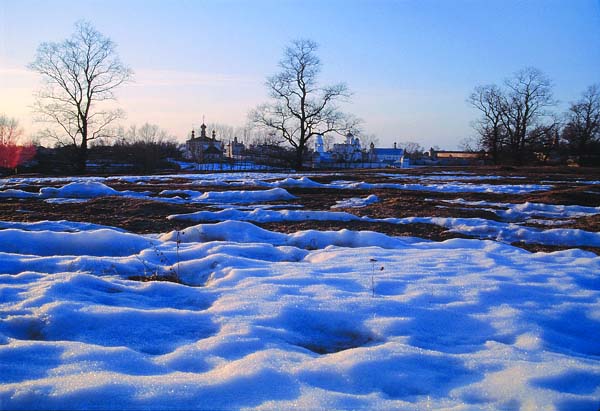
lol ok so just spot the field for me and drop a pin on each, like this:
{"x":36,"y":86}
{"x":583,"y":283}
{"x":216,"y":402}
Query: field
{"x":428,"y":288}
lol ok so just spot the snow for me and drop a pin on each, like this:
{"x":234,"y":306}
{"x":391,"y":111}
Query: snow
{"x":289,"y":320}
{"x":508,"y":232}
{"x":244,"y":232}
{"x":444,"y":186}
{"x":74,"y":190}
{"x":356,"y":202}
{"x":476,"y":227}
{"x":448,"y":187}
{"x":275,"y":194}
{"x":16,"y":193}
{"x":527,"y":210}
{"x":304,"y":320}
{"x":302,"y":182}
{"x":88,"y":187}
{"x":91,"y":189}
{"x":198,"y":179}
{"x":260,"y":215}
{"x":57,"y":225}
{"x":90,"y":242}
{"x":232,"y":196}
{"x":65,"y":200}
{"x":448,"y":177}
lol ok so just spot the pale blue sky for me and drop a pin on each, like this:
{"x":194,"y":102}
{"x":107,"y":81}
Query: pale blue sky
{"x":410,"y":64}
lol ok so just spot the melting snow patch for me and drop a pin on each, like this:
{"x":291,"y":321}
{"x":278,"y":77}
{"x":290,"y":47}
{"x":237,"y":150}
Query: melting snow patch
{"x":477,"y":227}
{"x":65,"y":200}
{"x":302,"y":182}
{"x":75,"y":190}
{"x":99,"y":242}
{"x":259,"y":215}
{"x":59,"y":225}
{"x":275,"y":194}
{"x":524,"y":211}
{"x":88,"y":189}
{"x":510,"y":233}
{"x":356,"y":202}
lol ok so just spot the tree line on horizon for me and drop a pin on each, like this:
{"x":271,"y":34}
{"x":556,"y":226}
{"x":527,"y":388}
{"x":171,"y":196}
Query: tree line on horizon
{"x":517,"y":124}
{"x":80,"y":74}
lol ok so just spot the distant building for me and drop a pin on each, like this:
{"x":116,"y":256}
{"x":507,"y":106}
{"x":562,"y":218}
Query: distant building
{"x":351,"y":154}
{"x":446,"y":157}
{"x":203,"y":149}
{"x":389,"y":156}
{"x":320,"y":156}
{"x":235,"y":149}
{"x":319,"y":145}
{"x":349,"y":151}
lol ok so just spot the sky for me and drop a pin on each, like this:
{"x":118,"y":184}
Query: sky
{"x":410,"y":64}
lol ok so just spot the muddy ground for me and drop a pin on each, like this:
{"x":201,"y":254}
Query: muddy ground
{"x":571,"y":186}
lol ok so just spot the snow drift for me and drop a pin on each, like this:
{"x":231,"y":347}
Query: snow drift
{"x":310,"y":320}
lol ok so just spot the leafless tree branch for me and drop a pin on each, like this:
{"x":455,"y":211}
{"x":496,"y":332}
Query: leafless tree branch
{"x":300,"y":109}
{"x":79,"y":73}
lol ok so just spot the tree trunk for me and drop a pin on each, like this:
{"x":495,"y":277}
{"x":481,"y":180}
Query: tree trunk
{"x":81,"y":157}
{"x":495,"y":145}
{"x":299,"y":157}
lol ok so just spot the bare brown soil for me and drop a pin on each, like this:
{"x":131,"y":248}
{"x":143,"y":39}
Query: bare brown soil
{"x":571,"y":187}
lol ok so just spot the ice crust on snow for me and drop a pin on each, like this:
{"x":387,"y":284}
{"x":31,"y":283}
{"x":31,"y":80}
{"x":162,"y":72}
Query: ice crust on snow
{"x":289,"y":321}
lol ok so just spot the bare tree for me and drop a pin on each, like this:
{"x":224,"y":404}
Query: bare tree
{"x":469,"y":144}
{"x":411,"y":149}
{"x":529,"y":94}
{"x":489,"y":101}
{"x":10,"y":132}
{"x":147,"y":133}
{"x":545,"y":138}
{"x":301,"y":109}
{"x":513,"y":116}
{"x":367,"y":139}
{"x":147,"y":148}
{"x":583,"y":123}
{"x":80,"y":76}
{"x":245,"y":133}
{"x":267,"y":139}
{"x":223,"y":132}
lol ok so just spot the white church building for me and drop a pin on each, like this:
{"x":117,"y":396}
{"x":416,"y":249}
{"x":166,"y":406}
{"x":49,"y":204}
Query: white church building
{"x":351,"y":152}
